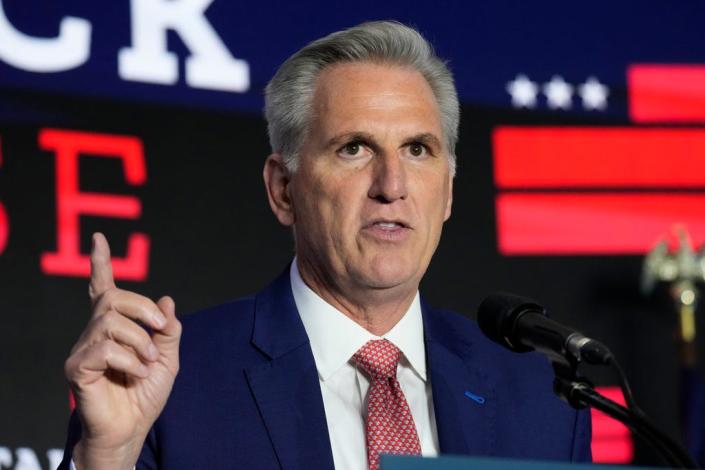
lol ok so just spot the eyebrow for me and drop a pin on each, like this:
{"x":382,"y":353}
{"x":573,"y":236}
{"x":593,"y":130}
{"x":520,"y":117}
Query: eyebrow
{"x":350,"y":137}
{"x":425,"y":138}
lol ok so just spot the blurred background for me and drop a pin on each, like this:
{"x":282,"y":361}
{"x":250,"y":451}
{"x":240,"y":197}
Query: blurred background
{"x":581,"y":178}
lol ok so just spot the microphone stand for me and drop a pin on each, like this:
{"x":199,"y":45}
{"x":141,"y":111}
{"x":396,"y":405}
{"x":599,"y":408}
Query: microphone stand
{"x":580,"y":393}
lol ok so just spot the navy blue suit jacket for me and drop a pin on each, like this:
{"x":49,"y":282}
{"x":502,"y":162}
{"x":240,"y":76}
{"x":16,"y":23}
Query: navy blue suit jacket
{"x":248,"y":396}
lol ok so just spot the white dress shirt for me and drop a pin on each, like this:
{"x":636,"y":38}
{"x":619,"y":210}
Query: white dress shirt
{"x":334,"y":339}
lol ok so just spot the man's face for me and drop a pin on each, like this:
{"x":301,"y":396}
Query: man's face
{"x":373,"y":187}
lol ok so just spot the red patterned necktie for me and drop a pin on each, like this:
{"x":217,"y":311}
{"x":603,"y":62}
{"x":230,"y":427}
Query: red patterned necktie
{"x":390,"y":426}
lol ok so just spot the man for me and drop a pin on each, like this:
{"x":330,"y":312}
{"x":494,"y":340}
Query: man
{"x":338,"y":360}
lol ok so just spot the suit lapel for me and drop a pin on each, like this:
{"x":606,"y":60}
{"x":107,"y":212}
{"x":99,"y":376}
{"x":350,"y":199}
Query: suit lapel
{"x":286,"y":389}
{"x":288,"y":395}
{"x":463,"y":394}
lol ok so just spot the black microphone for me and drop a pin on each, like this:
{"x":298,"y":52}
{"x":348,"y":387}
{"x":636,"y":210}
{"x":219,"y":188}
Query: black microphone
{"x":521,"y":325}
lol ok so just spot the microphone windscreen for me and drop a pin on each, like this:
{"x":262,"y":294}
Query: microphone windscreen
{"x":497,"y":316}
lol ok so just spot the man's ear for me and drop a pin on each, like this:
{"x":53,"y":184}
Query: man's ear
{"x":277,"y":181}
{"x":449,"y":201}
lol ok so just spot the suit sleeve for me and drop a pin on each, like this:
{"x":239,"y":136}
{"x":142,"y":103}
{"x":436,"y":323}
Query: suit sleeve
{"x":72,"y":437}
{"x":146,"y":461}
{"x":582,"y":437}
{"x":148,"y":456}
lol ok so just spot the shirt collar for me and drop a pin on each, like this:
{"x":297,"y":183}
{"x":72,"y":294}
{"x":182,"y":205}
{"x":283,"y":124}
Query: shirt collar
{"x":335,"y":337}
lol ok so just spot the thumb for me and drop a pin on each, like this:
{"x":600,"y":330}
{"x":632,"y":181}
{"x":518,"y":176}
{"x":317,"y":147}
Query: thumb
{"x":167,"y":338}
{"x":168,"y":307}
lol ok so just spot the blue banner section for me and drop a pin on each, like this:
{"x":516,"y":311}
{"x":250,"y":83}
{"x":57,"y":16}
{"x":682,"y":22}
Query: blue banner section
{"x":220,"y":54}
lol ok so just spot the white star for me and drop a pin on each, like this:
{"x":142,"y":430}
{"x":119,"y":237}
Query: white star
{"x":594,"y":94}
{"x":559,"y":93}
{"x":523,"y":92}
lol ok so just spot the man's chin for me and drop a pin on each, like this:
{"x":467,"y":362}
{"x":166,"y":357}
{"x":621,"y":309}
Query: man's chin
{"x":387,"y":277}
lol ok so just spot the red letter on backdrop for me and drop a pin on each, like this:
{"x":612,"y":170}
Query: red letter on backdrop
{"x":4,"y":223}
{"x":4,"y":228}
{"x":72,"y":203}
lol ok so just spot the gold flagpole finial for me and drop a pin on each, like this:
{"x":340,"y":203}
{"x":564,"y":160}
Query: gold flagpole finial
{"x":683,"y":269}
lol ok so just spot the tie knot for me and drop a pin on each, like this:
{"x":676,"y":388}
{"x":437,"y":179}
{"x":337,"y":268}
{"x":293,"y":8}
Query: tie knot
{"x":379,"y":358}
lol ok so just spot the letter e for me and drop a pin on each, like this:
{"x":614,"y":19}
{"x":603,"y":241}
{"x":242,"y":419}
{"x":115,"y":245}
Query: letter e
{"x":72,"y":203}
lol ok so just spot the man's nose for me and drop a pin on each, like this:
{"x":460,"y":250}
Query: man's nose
{"x":388,"y":179}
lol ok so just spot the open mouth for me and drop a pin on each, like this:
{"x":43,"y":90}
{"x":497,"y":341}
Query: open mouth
{"x":388,"y":230}
{"x":389,"y":225}
{"x":386,"y":224}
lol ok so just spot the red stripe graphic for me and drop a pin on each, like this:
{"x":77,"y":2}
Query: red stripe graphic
{"x":602,"y":223}
{"x":659,"y":93}
{"x":611,"y":440}
{"x":589,"y":157}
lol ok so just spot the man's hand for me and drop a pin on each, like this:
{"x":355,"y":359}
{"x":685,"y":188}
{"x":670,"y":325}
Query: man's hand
{"x":121,"y":375}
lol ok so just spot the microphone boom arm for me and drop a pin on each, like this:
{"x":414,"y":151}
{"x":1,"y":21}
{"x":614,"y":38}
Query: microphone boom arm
{"x":579,"y":393}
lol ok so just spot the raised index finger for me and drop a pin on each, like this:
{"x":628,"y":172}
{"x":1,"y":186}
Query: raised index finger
{"x":101,"y":268}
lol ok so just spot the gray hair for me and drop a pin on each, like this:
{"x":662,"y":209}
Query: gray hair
{"x":289,"y":95}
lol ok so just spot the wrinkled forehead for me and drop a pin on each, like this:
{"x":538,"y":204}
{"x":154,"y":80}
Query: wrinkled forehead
{"x":367,"y":79}
{"x":368,"y":94}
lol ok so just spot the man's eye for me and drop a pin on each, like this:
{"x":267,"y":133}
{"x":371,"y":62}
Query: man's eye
{"x":417,"y":150}
{"x":352,"y":148}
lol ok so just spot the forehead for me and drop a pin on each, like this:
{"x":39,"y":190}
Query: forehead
{"x":365,"y":94}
